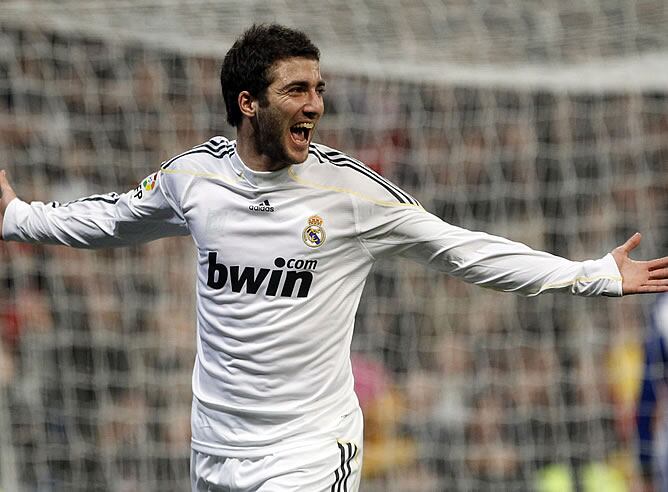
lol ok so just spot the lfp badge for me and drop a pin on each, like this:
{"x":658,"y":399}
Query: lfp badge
{"x":314,"y":233}
{"x":149,"y":183}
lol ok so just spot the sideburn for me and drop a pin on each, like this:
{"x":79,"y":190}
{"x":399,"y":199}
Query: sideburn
{"x":267,"y":126}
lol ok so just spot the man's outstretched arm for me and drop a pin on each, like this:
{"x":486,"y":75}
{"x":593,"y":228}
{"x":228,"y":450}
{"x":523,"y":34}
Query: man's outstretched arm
{"x":98,"y":221}
{"x":501,"y":264}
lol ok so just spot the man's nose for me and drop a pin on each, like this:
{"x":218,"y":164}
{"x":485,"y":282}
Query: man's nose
{"x":314,"y":106}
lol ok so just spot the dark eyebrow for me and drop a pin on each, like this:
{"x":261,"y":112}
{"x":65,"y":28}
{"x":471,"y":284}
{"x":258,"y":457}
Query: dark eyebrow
{"x":302,"y":84}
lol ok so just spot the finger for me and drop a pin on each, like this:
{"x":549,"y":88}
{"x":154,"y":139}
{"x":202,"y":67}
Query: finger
{"x":661,"y":281}
{"x":651,"y":289}
{"x":658,"y":273}
{"x":658,"y":263}
{"x":631,"y":243}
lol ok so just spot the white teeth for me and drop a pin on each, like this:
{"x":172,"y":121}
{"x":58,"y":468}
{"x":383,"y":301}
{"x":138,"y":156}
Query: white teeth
{"x":304,"y":125}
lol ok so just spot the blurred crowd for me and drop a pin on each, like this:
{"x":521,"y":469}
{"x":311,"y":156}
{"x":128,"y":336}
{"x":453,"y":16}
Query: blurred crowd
{"x":463,"y":389}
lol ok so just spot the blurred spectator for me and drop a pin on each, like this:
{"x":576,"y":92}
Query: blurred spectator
{"x":492,"y":457}
{"x":386,"y":452}
{"x":651,"y":421}
{"x":124,"y":438}
{"x":624,"y":365}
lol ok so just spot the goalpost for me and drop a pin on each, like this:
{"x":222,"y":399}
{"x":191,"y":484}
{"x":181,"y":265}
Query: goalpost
{"x":545,"y":122}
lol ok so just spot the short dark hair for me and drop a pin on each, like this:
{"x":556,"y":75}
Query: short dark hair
{"x":247,"y":63}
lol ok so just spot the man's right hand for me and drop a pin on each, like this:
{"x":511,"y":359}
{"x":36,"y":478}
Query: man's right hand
{"x":6,"y":195}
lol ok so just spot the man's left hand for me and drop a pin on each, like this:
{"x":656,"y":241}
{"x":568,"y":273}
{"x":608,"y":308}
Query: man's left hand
{"x":640,"y":277}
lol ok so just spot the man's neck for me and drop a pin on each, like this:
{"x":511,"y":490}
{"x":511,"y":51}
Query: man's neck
{"x":255,"y":160}
{"x":250,"y":152}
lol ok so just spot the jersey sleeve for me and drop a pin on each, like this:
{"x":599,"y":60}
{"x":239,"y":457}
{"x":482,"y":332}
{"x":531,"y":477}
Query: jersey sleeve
{"x":477,"y":257}
{"x":143,"y":214}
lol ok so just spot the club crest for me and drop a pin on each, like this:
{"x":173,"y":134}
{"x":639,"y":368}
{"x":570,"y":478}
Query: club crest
{"x":314,"y":233}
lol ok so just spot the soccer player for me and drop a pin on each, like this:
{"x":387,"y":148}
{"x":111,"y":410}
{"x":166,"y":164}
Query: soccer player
{"x":286,"y":233}
{"x":651,"y":422}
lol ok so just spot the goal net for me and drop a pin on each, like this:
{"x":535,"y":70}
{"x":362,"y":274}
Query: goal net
{"x":546,"y":122}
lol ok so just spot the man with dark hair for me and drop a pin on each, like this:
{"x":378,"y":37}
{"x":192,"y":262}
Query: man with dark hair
{"x":287,"y":232}
{"x":247,"y":64}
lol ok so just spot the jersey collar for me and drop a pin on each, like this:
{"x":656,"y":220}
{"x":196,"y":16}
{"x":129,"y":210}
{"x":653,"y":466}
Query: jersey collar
{"x":258,"y":179}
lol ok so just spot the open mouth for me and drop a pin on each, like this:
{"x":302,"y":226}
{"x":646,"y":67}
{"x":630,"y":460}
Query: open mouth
{"x":301,"y":132}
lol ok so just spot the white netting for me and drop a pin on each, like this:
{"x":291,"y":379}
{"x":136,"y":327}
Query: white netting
{"x":567,"y":45}
{"x":543,"y":121}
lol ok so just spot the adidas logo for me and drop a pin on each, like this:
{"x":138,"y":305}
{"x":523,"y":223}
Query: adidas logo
{"x":265,"y":206}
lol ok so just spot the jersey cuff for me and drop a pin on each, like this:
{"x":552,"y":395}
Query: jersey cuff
{"x":602,"y":278}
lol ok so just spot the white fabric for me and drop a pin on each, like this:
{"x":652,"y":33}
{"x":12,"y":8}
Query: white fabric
{"x":330,"y":461}
{"x":275,"y":310}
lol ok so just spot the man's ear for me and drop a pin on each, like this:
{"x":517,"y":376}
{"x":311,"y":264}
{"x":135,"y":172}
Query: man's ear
{"x":247,"y":104}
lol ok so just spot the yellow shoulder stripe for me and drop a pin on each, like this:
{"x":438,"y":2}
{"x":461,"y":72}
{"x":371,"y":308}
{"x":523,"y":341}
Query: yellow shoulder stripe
{"x":354,"y":193}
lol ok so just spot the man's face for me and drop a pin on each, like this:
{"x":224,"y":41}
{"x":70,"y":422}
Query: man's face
{"x":289,"y":113}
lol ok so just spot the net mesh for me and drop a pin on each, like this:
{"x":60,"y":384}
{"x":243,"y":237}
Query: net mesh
{"x":546,"y":122}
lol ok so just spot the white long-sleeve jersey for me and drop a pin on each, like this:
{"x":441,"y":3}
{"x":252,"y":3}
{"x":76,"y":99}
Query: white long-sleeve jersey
{"x":282,"y":260}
